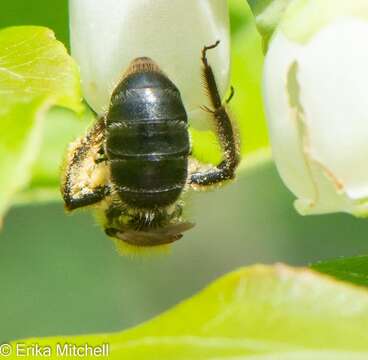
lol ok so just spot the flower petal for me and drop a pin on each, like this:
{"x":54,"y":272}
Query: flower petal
{"x":107,"y":35}
{"x":316,"y":99}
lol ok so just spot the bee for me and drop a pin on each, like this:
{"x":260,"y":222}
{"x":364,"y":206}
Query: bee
{"x":135,"y":164}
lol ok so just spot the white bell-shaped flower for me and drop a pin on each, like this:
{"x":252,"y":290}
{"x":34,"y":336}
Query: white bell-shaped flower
{"x":107,"y":35}
{"x":316,"y":97}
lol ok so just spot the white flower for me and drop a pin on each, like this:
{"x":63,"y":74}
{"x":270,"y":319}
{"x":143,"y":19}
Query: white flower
{"x":316,"y":96}
{"x":107,"y":35}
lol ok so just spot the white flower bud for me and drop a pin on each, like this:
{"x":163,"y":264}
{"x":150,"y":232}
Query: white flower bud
{"x":316,"y":97}
{"x":107,"y":35}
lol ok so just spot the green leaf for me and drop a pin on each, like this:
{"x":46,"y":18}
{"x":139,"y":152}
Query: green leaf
{"x":257,"y":313}
{"x":268,"y":14}
{"x":35,"y":73}
{"x":354,"y":269}
{"x":20,"y":12}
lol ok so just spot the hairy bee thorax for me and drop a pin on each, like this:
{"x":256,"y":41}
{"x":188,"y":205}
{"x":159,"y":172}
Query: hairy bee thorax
{"x":141,"y":65}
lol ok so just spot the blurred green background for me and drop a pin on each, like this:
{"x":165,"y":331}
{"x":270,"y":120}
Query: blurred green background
{"x":60,"y":275}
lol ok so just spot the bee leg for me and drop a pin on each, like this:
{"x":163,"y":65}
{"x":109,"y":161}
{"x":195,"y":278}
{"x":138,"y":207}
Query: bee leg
{"x":101,"y":156}
{"x":84,"y":182}
{"x":90,"y":198}
{"x":225,"y":131}
{"x":111,"y":232}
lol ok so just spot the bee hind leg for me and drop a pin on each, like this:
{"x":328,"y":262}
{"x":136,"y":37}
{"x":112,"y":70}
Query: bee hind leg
{"x":85,"y":179}
{"x":90,"y":198}
{"x":224,"y":128}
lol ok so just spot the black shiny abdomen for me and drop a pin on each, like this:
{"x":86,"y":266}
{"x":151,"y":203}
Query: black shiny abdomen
{"x":147,"y":140}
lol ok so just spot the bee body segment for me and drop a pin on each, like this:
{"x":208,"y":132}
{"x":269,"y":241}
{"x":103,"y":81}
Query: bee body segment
{"x":147,"y":139}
